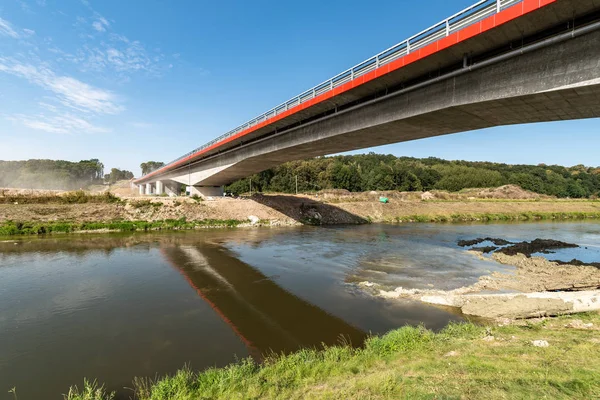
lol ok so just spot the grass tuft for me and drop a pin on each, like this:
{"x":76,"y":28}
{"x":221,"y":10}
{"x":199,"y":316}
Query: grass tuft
{"x":90,"y":391}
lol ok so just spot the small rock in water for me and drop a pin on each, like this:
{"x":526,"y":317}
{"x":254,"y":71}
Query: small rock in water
{"x":253,"y":219}
{"x":540,"y":343}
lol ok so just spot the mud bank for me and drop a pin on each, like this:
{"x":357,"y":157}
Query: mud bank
{"x":518,"y":306}
{"x":537,"y":287}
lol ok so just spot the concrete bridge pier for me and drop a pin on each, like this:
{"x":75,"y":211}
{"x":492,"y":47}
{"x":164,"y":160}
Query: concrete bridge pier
{"x":173,"y":188}
{"x":160,"y":188}
{"x":142,"y":189}
{"x":206,"y":191}
{"x":148,"y":189}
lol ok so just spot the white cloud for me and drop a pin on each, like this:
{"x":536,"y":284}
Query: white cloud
{"x":120,"y":55}
{"x":48,"y":106}
{"x":69,"y":91}
{"x":142,"y":125}
{"x":24,"y":6}
{"x":66,"y":123}
{"x":6,"y":29}
{"x":100,"y":24}
{"x":28,"y":32}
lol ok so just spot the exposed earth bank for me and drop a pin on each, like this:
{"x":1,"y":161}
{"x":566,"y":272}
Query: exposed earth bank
{"x":321,"y":209}
{"x":537,"y":288}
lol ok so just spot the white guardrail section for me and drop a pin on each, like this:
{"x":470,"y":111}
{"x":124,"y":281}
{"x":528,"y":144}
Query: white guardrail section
{"x":458,"y":21}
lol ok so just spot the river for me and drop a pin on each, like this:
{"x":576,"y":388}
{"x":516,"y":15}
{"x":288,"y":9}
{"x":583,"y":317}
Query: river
{"x":115,"y":306}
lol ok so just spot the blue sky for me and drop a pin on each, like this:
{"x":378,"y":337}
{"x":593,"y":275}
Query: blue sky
{"x":131,"y":81}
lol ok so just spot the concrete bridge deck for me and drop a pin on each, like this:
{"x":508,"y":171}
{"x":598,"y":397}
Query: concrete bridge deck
{"x":532,"y":61}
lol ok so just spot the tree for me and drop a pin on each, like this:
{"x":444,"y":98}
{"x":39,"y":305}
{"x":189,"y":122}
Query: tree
{"x":150,"y":166}
{"x":372,"y":171}
{"x":117,"y":175}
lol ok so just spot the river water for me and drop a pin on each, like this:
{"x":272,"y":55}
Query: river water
{"x":112,"y":307}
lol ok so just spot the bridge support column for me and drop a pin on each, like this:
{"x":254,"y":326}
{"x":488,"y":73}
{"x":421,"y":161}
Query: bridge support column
{"x":142,"y":189}
{"x":148,"y":189}
{"x":206,"y":191}
{"x":173,"y":188}
{"x":160,"y":188}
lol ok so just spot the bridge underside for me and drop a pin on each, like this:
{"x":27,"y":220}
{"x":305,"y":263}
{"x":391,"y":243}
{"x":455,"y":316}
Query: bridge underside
{"x":558,"y":82}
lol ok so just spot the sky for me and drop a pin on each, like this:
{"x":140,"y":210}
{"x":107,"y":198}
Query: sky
{"x":133,"y":81}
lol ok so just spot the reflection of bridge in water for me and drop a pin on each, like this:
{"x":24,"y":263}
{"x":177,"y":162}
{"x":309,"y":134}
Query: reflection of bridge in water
{"x":264,"y":315}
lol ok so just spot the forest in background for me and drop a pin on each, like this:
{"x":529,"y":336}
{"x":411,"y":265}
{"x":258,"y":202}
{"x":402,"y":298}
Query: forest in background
{"x":51,"y":174}
{"x":366,"y":172}
{"x":356,"y":173}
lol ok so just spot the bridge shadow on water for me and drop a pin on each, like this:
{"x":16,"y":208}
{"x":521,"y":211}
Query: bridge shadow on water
{"x":266,"y":317}
{"x":308,"y":211}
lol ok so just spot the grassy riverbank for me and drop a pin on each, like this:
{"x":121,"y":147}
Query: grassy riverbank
{"x":463,"y":361}
{"x":486,"y":217}
{"x":10,"y":228}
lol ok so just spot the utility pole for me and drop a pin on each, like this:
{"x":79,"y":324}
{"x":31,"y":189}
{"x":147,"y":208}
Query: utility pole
{"x":250,"y":187}
{"x":296,"y":185}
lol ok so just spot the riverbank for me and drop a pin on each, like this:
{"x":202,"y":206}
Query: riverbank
{"x":80,"y":212}
{"x":548,"y":358}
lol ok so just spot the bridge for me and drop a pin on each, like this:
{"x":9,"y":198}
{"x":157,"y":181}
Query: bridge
{"x":497,"y":62}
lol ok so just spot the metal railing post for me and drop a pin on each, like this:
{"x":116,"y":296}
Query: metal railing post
{"x":498,"y":6}
{"x":447,"y":28}
{"x":408,"y":47}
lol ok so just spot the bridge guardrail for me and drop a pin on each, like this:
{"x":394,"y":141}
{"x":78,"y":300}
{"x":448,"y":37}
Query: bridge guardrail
{"x":470,"y":15}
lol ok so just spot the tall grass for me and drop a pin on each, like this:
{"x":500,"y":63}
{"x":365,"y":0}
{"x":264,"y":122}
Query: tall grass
{"x":90,"y":391}
{"x":75,"y":197}
{"x":10,"y":228}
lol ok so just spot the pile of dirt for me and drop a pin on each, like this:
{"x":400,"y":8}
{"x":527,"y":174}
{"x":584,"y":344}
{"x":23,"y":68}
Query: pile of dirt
{"x":509,"y":192}
{"x":535,"y":274}
{"x":333,"y":193}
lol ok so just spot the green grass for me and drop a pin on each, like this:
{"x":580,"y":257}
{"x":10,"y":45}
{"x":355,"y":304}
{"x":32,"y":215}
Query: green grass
{"x":75,"y":197}
{"x":145,"y":203}
{"x":11,"y":228}
{"x":410,"y":363}
{"x":522,"y":216}
{"x":90,"y":391}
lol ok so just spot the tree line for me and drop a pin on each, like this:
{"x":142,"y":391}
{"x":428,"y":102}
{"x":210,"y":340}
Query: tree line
{"x":366,"y":172}
{"x":51,"y":174}
{"x":63,"y":175}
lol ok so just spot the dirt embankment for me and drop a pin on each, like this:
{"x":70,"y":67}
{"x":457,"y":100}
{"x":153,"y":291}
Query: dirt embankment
{"x":156,"y":209}
{"x":328,"y":207}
